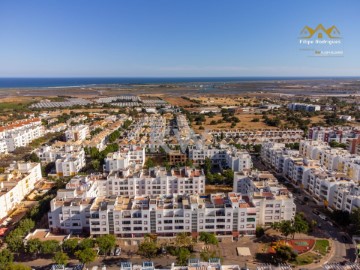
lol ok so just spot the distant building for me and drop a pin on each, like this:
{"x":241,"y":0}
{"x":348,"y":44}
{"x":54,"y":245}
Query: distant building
{"x":304,"y":107}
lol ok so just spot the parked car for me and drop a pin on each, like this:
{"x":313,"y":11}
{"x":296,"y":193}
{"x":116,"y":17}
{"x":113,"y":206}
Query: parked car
{"x":117,"y":251}
{"x":330,"y":223}
{"x":323,"y":217}
{"x":316,"y":212}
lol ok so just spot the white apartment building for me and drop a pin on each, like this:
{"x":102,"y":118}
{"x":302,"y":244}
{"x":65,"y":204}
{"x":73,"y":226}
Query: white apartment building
{"x":133,"y":156}
{"x":156,"y":181}
{"x":167,"y":215}
{"x":225,"y":156}
{"x":51,"y":153}
{"x":332,"y":189}
{"x":70,"y":163}
{"x":304,"y":107}
{"x":332,"y":159}
{"x":20,"y":134}
{"x":16,"y":183}
{"x":273,"y":201}
{"x":340,"y":134}
{"x":70,"y":209}
{"x":77,"y":133}
{"x":253,"y":137}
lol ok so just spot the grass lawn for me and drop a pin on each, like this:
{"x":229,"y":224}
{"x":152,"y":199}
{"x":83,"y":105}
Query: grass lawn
{"x":321,"y":246}
{"x":306,"y":258}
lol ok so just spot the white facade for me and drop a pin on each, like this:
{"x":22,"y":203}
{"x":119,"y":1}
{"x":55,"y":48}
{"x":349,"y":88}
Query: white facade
{"x":273,"y":201}
{"x":70,"y":163}
{"x":230,"y":157}
{"x":156,"y":181}
{"x":167,"y":215}
{"x":70,"y":209}
{"x":304,"y":107}
{"x":130,"y":156}
{"x":16,"y":183}
{"x":77,"y":133}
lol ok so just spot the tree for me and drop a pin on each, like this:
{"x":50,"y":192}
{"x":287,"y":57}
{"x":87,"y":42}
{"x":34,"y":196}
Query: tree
{"x":149,"y":163}
{"x":86,"y":255}
{"x":300,"y":225}
{"x":355,"y":219}
{"x":286,"y":228}
{"x":113,"y":136}
{"x":259,"y":231}
{"x":148,"y":248}
{"x":184,"y":240}
{"x":14,"y":240}
{"x":284,"y":253}
{"x":95,"y":163}
{"x":206,"y":254}
{"x":86,"y":243}
{"x":26,"y":225}
{"x":18,"y":266}
{"x":106,"y":243}
{"x":70,"y":245}
{"x":33,"y":246}
{"x":208,"y":238}
{"x":189,"y":163}
{"x":207,"y":165}
{"x":61,"y":258}
{"x":33,"y":157}
{"x":50,"y":246}
{"x":183,"y":256}
{"x":6,"y":258}
{"x":229,"y":176}
{"x":257,"y":148}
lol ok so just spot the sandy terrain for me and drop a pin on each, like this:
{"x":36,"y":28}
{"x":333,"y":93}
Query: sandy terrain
{"x":179,"y":101}
{"x":245,"y":122}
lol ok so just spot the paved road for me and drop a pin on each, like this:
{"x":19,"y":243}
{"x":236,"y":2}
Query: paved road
{"x":344,"y":249}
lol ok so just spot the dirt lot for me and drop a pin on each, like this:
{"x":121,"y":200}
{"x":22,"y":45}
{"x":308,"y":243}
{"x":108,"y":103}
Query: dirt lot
{"x":245,"y":123}
{"x":178,"y":101}
{"x":224,"y":101}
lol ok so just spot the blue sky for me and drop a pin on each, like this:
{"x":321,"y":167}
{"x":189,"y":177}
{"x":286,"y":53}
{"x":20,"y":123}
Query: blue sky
{"x":45,"y":38}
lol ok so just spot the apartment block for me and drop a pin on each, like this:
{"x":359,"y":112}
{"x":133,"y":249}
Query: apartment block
{"x":133,"y":156}
{"x":70,"y":209}
{"x":77,"y":133}
{"x":16,"y":183}
{"x":224,"y":156}
{"x":70,"y":163}
{"x":273,"y":201}
{"x":20,"y":134}
{"x":340,"y":134}
{"x":156,"y":181}
{"x":167,"y":215}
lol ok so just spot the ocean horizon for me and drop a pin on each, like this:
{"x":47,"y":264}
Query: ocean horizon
{"x":53,"y":82}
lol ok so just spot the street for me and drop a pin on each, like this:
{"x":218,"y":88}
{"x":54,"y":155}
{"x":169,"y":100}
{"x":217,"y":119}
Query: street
{"x":344,"y":248}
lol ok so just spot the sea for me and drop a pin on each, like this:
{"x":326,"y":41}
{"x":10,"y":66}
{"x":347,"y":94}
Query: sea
{"x":94,"y":81}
